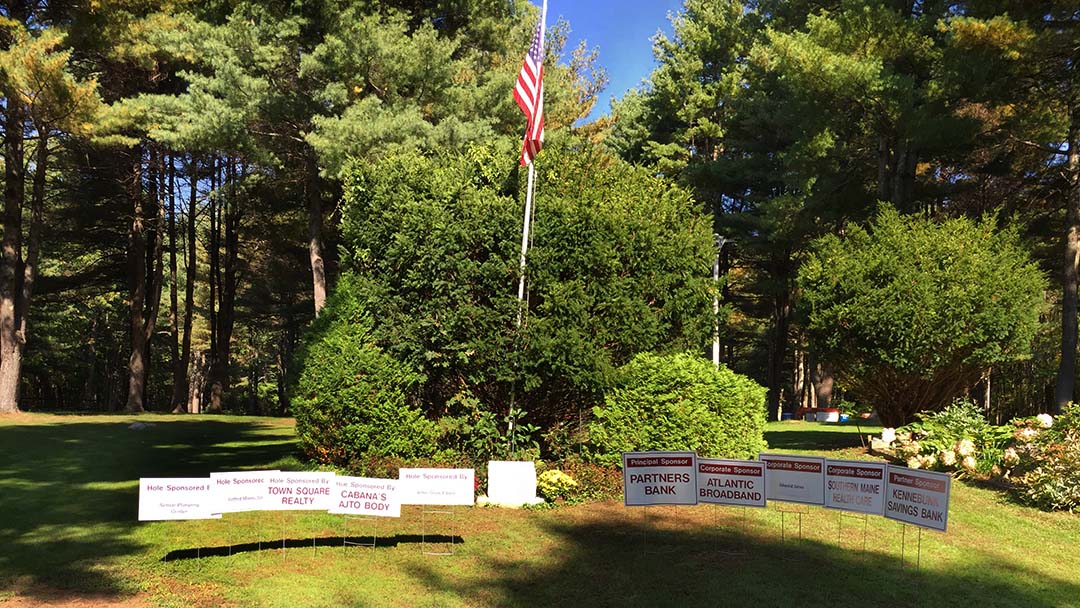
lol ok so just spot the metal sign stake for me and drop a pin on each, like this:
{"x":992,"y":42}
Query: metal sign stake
{"x":423,"y":531}
{"x":645,"y":530}
{"x":903,"y":548}
{"x":840,"y":527}
{"x":345,"y":542}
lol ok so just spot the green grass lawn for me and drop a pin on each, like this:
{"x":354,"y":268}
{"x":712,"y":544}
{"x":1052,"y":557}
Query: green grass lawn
{"x":68,"y":494}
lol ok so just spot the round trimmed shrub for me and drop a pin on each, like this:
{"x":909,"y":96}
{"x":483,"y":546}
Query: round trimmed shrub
{"x":678,"y":402}
{"x":911,"y":311}
{"x":352,"y":399}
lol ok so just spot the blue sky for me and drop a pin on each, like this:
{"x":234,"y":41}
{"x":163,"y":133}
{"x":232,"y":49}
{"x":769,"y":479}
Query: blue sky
{"x":622,"y":31}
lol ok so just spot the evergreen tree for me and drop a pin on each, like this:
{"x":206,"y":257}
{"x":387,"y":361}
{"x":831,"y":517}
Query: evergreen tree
{"x":43,"y":102}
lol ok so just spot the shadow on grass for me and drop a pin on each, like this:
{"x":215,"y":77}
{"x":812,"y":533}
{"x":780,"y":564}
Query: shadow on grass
{"x":333,"y":542}
{"x":69,"y":491}
{"x":623,"y":563}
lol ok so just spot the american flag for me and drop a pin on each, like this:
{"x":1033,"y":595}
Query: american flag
{"x":529,"y":93}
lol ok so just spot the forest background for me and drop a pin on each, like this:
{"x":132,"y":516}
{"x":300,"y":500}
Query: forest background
{"x":174,"y":171}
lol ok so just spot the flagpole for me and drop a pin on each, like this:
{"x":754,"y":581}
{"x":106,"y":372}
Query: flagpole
{"x":524,"y":246}
{"x":529,"y":95}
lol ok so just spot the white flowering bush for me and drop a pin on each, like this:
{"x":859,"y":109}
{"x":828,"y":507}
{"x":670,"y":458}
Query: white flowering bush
{"x":1045,"y":469}
{"x":957,"y":438}
{"x":888,"y":435}
{"x":1037,"y":457}
{"x":947,"y":458}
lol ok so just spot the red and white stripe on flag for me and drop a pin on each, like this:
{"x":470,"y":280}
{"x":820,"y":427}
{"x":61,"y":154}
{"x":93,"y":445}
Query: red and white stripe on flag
{"x":529,"y":93}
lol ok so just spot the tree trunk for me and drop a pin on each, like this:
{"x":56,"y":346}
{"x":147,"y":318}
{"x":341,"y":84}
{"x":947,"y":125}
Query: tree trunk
{"x":91,"y":386}
{"x":189,"y":285}
{"x":196,"y":381}
{"x":11,"y":262}
{"x":253,"y":379}
{"x":285,"y":352}
{"x":137,"y":278}
{"x":822,"y":378}
{"x":1066,"y":376}
{"x":884,"y":186}
{"x":229,"y":222}
{"x":179,"y":373}
{"x":214,"y":202}
{"x":799,"y":377}
{"x":314,"y":207}
{"x":903,"y":178}
{"x":145,"y":289}
{"x":777,"y":351}
{"x":33,"y":247}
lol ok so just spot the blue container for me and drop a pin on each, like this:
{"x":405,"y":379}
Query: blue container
{"x":786,"y":416}
{"x":844,"y":417}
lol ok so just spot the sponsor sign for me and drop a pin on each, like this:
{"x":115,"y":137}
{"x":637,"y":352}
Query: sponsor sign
{"x":731,"y":482}
{"x":791,"y":478}
{"x":175,"y":498}
{"x":512,"y":482}
{"x":437,"y":486}
{"x":365,"y":496}
{"x":299,"y":491}
{"x":919,"y":498}
{"x":241,"y":491}
{"x":852,"y":485}
{"x":659,"y":478}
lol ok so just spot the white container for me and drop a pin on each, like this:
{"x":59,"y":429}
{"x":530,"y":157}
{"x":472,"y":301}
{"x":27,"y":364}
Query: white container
{"x":826,"y":416}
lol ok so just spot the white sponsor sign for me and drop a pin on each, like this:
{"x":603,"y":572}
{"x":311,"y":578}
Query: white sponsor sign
{"x":791,"y":478}
{"x":437,"y":486}
{"x":512,"y":482}
{"x":919,"y":498}
{"x":852,"y":485}
{"x":299,"y":491}
{"x":731,"y":482}
{"x":175,"y":498}
{"x":365,"y":496}
{"x":241,"y":491}
{"x":659,"y":478}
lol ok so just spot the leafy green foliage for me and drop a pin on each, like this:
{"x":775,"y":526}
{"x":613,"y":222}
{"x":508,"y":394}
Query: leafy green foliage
{"x":619,"y":265}
{"x":595,"y":482}
{"x":679,"y":402}
{"x":352,"y":399}
{"x":471,"y":430}
{"x":791,"y":119}
{"x":911,"y":311}
{"x":1048,"y":472}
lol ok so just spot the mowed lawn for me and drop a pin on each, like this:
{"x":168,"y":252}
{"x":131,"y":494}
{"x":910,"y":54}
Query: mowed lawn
{"x":69,"y":536}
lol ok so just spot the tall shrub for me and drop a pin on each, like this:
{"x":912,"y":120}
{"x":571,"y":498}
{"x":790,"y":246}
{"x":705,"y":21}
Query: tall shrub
{"x":352,"y":399}
{"x":619,"y":264}
{"x":679,"y":402}
{"x":912,"y":311}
